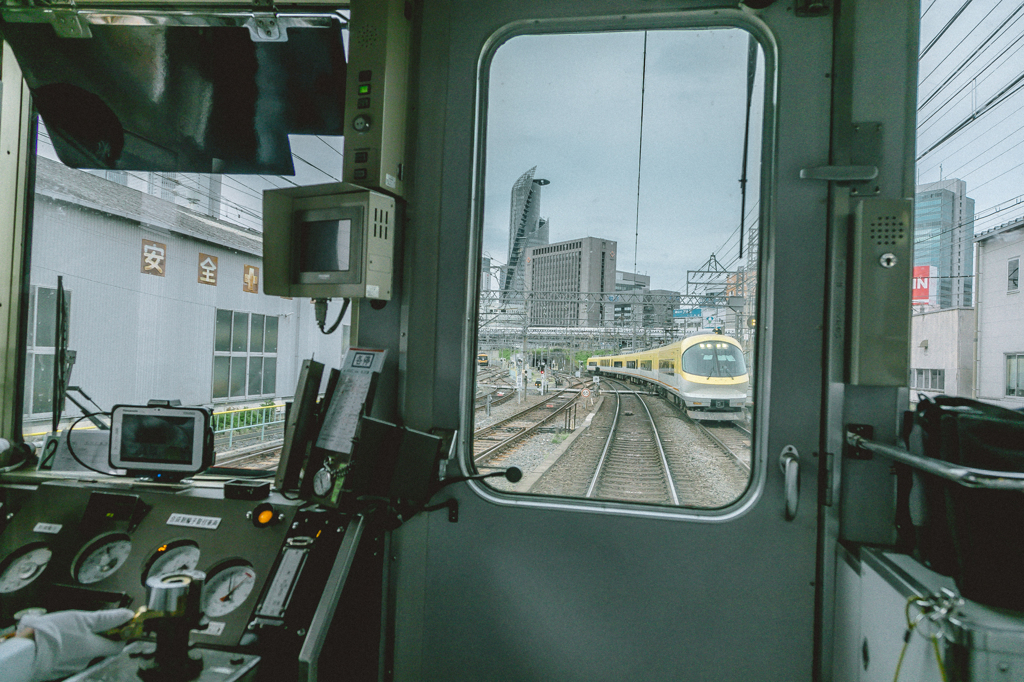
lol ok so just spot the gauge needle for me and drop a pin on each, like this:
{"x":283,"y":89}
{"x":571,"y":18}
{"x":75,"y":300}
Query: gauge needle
{"x":231,"y":590}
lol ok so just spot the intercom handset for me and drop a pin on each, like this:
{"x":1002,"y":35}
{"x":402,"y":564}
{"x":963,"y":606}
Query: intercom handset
{"x":352,"y":398}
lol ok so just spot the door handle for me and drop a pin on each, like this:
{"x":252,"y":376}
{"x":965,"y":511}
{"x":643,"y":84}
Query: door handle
{"x":789,"y":462}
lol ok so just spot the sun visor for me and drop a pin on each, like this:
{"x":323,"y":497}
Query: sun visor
{"x":182,"y":93}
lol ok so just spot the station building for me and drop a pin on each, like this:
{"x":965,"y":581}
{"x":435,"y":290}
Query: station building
{"x":156,"y":263}
{"x":1001,"y":315}
{"x":942,"y":353}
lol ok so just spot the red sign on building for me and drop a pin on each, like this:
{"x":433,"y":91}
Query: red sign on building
{"x":922,"y":286}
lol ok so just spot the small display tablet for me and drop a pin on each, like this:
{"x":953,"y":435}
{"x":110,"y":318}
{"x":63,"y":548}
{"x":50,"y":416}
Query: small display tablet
{"x":158,"y":439}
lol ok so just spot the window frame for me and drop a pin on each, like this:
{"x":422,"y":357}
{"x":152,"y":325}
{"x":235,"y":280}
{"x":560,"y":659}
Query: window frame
{"x":32,"y":350}
{"x":1017,"y":390}
{"x":767,"y":155}
{"x":248,"y":355}
{"x":1013,"y":275}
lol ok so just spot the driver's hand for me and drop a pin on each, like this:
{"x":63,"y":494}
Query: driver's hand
{"x":67,"y":641}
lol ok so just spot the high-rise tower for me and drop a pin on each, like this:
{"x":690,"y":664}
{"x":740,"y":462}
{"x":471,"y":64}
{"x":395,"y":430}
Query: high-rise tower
{"x":526,"y":229}
{"x":944,"y":238}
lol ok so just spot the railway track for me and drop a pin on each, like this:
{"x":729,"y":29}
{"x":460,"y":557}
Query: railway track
{"x":633,"y":465}
{"x":732,"y":438}
{"x":490,"y":440}
{"x":270,"y":451}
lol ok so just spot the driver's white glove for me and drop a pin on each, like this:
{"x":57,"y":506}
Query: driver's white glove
{"x":66,"y":641}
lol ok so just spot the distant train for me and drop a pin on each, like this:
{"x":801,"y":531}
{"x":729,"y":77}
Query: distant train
{"x":705,"y":373}
{"x":482,"y":360}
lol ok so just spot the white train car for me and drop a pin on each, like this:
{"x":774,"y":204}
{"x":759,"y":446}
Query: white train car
{"x":706,"y":374}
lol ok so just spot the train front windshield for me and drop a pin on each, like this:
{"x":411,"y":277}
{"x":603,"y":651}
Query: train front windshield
{"x":714,"y":359}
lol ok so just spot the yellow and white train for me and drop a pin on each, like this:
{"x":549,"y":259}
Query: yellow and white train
{"x":706,"y":374}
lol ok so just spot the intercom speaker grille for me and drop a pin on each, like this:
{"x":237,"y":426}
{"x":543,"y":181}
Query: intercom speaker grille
{"x":367,"y":37}
{"x":887,"y":230}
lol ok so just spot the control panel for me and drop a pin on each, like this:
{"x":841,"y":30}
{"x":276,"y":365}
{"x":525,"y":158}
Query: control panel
{"x":78,"y":545}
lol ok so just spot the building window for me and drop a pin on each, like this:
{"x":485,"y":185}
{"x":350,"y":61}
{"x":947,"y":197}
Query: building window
{"x":42,"y":342}
{"x":1013,"y":275}
{"x":928,"y":379}
{"x":1015,"y":374}
{"x":244,"y":355}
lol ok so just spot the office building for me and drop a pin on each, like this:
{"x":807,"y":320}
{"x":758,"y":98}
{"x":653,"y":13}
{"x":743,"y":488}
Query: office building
{"x":557,"y":274}
{"x":944,"y":238}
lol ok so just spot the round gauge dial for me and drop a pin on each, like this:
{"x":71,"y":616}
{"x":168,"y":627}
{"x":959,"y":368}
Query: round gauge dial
{"x":323,"y":481}
{"x":227,"y":587}
{"x":101,"y":558}
{"x":23,"y":566}
{"x":172,"y":557}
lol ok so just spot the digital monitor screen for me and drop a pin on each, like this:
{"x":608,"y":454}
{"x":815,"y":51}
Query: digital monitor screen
{"x":325,"y":245}
{"x":164,"y":439}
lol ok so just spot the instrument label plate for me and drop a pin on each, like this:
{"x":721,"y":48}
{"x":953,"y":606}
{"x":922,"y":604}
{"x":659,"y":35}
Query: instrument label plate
{"x":52,"y":528}
{"x":193,"y":521}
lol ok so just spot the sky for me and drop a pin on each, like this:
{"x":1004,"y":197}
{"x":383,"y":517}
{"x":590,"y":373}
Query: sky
{"x":571,"y":106}
{"x":973,"y":62}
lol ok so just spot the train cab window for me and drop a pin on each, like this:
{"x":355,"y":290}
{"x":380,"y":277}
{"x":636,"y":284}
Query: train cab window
{"x":714,"y":359}
{"x":616,"y":238}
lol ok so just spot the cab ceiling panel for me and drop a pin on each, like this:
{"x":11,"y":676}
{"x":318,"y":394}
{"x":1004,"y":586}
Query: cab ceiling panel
{"x":185,"y":93}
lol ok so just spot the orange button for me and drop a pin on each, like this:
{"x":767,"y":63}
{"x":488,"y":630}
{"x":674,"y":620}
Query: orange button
{"x":265,"y":516}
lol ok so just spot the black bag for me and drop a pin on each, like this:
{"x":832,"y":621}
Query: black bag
{"x":975,"y":536}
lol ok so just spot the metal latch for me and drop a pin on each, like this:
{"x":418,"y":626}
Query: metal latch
{"x":265,"y":27}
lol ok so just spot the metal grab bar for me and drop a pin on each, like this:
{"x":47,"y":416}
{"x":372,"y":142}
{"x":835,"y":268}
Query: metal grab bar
{"x":968,"y":477}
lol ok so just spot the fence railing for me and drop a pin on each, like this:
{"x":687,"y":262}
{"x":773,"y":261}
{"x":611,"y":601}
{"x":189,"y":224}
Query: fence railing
{"x":248,"y":421}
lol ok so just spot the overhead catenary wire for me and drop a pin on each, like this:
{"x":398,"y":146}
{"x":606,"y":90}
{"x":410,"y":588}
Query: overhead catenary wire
{"x":945,"y":28}
{"x":977,"y":52}
{"x":968,"y":87}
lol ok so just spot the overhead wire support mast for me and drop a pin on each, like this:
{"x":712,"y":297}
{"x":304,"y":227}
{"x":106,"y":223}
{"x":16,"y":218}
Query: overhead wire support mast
{"x":751,"y":73}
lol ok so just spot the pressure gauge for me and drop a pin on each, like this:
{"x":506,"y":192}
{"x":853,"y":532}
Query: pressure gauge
{"x":227,"y":587}
{"x":323,"y":481}
{"x":172,"y":557}
{"x":23,"y":566}
{"x":101,"y":558}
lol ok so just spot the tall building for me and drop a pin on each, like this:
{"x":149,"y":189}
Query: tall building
{"x":944,"y":238}
{"x":526,"y":229}
{"x":557,"y":273}
{"x":629,"y":281}
{"x":658,"y":313}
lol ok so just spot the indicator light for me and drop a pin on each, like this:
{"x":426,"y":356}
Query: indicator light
{"x":364,"y":89}
{"x":263,"y":515}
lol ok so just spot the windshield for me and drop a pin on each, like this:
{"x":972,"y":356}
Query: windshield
{"x":714,"y":359}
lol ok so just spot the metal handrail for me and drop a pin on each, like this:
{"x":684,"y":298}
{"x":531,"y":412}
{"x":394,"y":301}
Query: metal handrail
{"x":969,"y":477}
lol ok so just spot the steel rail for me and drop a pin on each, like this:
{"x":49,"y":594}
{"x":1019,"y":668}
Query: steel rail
{"x":706,"y":431}
{"x":969,"y":477}
{"x":497,"y":425}
{"x":523,"y":433}
{"x":248,"y":455}
{"x":661,"y":451}
{"x":607,"y":447}
{"x":669,"y":482}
